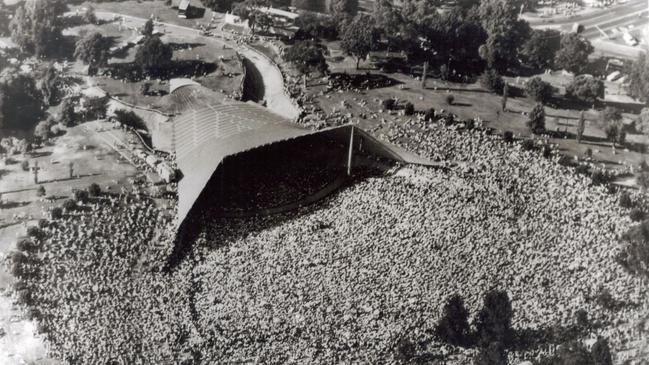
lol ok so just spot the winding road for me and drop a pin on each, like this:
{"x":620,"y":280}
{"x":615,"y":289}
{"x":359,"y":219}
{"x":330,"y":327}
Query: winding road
{"x":276,"y":98}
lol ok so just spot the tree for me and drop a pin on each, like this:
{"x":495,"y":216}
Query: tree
{"x":221,"y":6}
{"x":615,"y":134}
{"x":601,"y":353}
{"x":503,"y":103}
{"x":129,"y":118}
{"x":541,"y":48}
{"x":307,"y":58}
{"x":94,"y":189}
{"x":56,"y":213}
{"x":492,"y":81}
{"x":40,"y":191}
{"x":21,"y":103}
{"x":250,"y":10}
{"x":147,"y":29}
{"x":573,"y":53}
{"x":639,"y":78}
{"x":93,"y":50}
{"x":316,"y":26}
{"x":50,"y":86}
{"x":42,"y":131}
{"x":89,"y":15}
{"x":536,"y":122}
{"x":506,"y":33}
{"x":81,"y":196}
{"x":611,"y":114}
{"x":359,"y":37}
{"x":343,"y":7}
{"x":153,"y":55}
{"x":494,"y":320}
{"x":581,"y":127}
{"x":69,"y":205}
{"x":68,"y":116}
{"x":586,"y":89}
{"x":642,"y":121}
{"x":95,"y":107}
{"x":36,"y":26}
{"x":453,"y":327}
{"x":539,"y":90}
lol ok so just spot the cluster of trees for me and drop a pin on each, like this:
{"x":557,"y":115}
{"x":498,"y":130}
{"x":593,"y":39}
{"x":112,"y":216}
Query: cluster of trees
{"x":308,"y":57}
{"x":36,"y":26}
{"x":493,"y":333}
{"x":21,"y":102}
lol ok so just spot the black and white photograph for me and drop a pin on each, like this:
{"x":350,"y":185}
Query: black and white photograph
{"x":443,"y":182}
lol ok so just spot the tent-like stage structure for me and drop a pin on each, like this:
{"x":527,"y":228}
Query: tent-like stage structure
{"x":206,"y":137}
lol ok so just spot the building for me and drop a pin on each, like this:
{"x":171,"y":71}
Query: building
{"x":183,"y":9}
{"x":216,"y":144}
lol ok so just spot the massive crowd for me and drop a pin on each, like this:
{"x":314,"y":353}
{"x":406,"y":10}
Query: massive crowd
{"x":344,"y":280}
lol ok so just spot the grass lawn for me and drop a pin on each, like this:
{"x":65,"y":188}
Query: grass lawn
{"x":472,"y":101}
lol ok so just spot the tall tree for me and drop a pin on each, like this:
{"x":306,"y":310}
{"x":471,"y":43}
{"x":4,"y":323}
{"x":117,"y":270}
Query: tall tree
{"x":639,"y":78}
{"x":541,"y":48}
{"x":536,"y":121}
{"x":359,"y":37}
{"x":506,"y":33}
{"x":20,"y":100}
{"x":581,"y":127}
{"x":50,"y":85}
{"x":573,"y":53}
{"x":147,"y":29}
{"x":492,"y":354}
{"x":93,"y":50}
{"x":153,"y":55}
{"x":307,"y":57}
{"x":36,"y":26}
{"x":601,"y":352}
{"x":494,"y":320}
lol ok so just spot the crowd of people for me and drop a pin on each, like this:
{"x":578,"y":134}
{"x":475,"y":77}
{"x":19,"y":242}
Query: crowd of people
{"x":348,"y":278}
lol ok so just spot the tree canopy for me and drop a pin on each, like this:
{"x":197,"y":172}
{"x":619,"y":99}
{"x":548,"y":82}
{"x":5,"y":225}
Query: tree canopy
{"x":36,"y":26}
{"x":573,"y":53}
{"x":21,"y":103}
{"x":343,"y":7}
{"x":153,"y":54}
{"x":541,"y":48}
{"x":307,"y":57}
{"x":494,"y":320}
{"x":359,"y":37}
{"x":539,"y":90}
{"x":453,"y":327}
{"x":93,"y":50}
{"x":506,"y":33}
{"x":639,"y":78}
{"x":586,"y":89}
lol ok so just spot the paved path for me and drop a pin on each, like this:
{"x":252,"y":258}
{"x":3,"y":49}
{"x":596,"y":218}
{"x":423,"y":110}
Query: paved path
{"x":276,"y":98}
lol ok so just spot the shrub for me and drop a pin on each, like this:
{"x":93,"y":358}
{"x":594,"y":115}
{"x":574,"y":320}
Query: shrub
{"x":129,"y":118}
{"x":492,"y":81}
{"x":25,"y":165}
{"x":429,"y":116}
{"x":528,"y":144}
{"x":94,"y":189}
{"x":81,"y":196}
{"x":388,"y":104}
{"x":57,"y":212}
{"x":625,"y":200}
{"x":508,"y":136}
{"x":40,"y":191}
{"x":35,"y":232}
{"x":636,"y":214}
{"x":69,"y":205}
{"x":539,"y":90}
{"x":581,"y":319}
{"x":536,"y":121}
{"x":26,"y":245}
{"x":450,"y":99}
{"x":409,"y":109}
